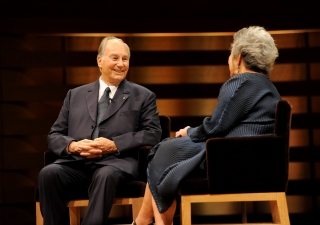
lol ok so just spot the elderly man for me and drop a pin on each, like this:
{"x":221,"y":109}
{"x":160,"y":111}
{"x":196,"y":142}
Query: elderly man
{"x":95,"y":136}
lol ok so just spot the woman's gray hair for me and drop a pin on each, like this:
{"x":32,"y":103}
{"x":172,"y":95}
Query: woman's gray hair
{"x":101,"y":49}
{"x":256,"y":47}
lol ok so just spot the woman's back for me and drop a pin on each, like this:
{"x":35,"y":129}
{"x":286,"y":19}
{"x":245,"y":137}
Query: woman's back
{"x":246,"y":107}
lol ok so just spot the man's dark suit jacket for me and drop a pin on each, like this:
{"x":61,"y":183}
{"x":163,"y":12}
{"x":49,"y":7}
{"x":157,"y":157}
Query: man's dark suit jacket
{"x":131,"y":120}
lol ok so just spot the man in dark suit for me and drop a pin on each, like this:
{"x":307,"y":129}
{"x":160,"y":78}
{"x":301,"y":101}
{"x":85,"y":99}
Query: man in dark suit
{"x":100,"y":154}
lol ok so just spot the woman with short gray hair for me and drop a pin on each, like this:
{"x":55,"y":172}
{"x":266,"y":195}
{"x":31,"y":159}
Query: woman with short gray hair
{"x":246,"y":107}
{"x":257,"y":49}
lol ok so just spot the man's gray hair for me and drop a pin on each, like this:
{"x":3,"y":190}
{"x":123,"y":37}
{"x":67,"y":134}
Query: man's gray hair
{"x":256,"y":47}
{"x":101,"y":49}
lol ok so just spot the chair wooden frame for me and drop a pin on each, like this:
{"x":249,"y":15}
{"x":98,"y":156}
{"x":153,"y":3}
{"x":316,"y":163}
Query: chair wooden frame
{"x":278,"y":204}
{"x":223,"y":185}
{"x":74,"y":208}
{"x":39,"y":218}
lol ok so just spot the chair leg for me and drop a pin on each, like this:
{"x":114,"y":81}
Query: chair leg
{"x":39,"y":218}
{"x":185,"y":211}
{"x":275,"y":211}
{"x":244,"y":212}
{"x":136,"y":206}
{"x":74,"y":213}
{"x":74,"y":210}
{"x":279,"y":210}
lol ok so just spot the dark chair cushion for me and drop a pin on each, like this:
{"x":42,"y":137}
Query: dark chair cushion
{"x":247,"y":164}
{"x":194,"y":186}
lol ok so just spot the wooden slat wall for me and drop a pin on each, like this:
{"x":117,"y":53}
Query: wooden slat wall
{"x":184,"y":71}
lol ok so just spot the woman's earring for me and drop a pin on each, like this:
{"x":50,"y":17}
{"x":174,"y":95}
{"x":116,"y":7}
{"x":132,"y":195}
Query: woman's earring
{"x":237,"y":70}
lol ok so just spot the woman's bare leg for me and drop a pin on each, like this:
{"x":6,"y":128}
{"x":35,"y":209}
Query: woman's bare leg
{"x":165,"y":218}
{"x":149,"y":210}
{"x":145,"y":215}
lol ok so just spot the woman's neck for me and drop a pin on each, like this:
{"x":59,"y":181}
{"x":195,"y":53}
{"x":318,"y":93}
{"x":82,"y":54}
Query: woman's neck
{"x":243,"y":69}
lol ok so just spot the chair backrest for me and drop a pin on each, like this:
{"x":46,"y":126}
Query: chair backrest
{"x":251,"y":164}
{"x":144,"y":151}
{"x":165,"y":123}
{"x":282,"y":124}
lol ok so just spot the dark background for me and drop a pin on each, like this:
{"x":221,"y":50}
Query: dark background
{"x":23,"y":140}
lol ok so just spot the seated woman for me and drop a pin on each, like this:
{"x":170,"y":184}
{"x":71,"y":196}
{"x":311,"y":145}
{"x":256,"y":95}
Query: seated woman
{"x":246,"y":107}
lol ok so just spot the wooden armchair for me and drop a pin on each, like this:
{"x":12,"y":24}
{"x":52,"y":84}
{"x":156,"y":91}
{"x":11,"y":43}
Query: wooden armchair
{"x":242,"y":169}
{"x":130,"y":194}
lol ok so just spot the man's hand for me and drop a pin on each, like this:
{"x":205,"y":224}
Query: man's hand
{"x":77,"y":147}
{"x":98,"y":147}
{"x":182,"y":132}
{"x":93,"y":148}
{"x":85,"y":148}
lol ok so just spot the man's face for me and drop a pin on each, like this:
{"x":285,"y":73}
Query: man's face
{"x":115,"y":62}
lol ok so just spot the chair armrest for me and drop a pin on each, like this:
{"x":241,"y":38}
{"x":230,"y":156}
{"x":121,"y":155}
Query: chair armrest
{"x":49,"y":157}
{"x":247,"y":164}
{"x":143,"y":153}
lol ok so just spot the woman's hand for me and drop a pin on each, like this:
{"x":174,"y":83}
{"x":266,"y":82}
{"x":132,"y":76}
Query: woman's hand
{"x":182,"y":132}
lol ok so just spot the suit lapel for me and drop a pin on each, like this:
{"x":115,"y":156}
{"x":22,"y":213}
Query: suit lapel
{"x":121,"y":96}
{"x":92,"y":99}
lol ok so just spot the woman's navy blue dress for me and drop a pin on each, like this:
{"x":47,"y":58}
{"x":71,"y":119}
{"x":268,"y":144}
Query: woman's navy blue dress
{"x":246,"y":107}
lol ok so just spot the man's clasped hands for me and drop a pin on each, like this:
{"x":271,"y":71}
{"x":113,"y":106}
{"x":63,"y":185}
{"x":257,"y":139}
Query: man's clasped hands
{"x":93,"y":148}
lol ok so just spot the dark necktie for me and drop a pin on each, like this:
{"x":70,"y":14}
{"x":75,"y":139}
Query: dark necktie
{"x":102,"y":107}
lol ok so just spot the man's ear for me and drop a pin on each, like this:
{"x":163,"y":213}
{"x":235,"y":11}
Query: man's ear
{"x":99,"y":61}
